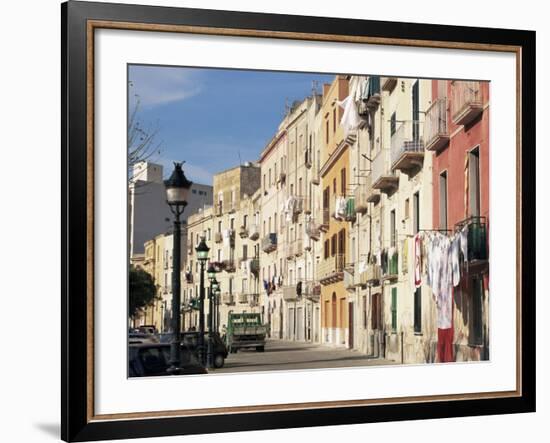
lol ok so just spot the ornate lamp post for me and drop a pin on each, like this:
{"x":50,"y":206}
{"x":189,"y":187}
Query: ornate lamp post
{"x":211,"y":273}
{"x":202,"y":250}
{"x":177,"y":189}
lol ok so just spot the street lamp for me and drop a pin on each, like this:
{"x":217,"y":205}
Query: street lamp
{"x":202,"y":250}
{"x":177,"y":189}
{"x":213,"y":286}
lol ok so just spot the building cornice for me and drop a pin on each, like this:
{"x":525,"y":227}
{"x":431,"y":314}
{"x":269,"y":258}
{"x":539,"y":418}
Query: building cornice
{"x":336,"y":154}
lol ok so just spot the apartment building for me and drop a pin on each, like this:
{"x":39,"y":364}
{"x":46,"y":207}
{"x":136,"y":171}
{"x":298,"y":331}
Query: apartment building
{"x":273,"y":166}
{"x":235,"y":191}
{"x":457,"y":133}
{"x":334,"y":172}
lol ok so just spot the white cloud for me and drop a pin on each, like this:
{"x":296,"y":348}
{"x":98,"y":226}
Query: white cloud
{"x":156,"y":85}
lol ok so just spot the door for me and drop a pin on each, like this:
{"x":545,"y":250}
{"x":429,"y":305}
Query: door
{"x":350,"y":326}
{"x":290,"y":324}
{"x":299,"y":324}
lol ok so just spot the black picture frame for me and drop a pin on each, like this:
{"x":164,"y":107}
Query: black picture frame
{"x":76,"y":423}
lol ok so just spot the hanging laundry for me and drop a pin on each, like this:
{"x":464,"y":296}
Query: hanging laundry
{"x":362,"y":267}
{"x":463,"y":234}
{"x":350,"y":118}
{"x":227,"y":235}
{"x":455,"y":253}
{"x":340,"y":208}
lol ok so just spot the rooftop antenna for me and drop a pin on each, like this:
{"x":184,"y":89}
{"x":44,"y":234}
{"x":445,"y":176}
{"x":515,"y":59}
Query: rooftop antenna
{"x":240,"y":161}
{"x":287,"y":106}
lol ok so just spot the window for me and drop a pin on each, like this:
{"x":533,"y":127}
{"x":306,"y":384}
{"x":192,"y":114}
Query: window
{"x":270,"y":182}
{"x":415,"y":111}
{"x":394,"y":309}
{"x":209,"y":234}
{"x":406,"y":208}
{"x":393,"y":123}
{"x":334,"y":185}
{"x":473,"y":183}
{"x":245,"y":286}
{"x":443,"y":200}
{"x":393,"y":232}
{"x":245,"y":220}
{"x":231,"y":285}
{"x":326,"y":131}
{"x":300,"y":186}
{"x":364,"y":311}
{"x":245,"y":252}
{"x":343,"y":180}
{"x":475,"y":336}
{"x":327,"y":249}
{"x":418,"y":310}
{"x":342,"y":241}
{"x":416,"y":212}
{"x":220,"y":227}
{"x":333,"y":245}
{"x":232,"y":223}
{"x":334,"y":120}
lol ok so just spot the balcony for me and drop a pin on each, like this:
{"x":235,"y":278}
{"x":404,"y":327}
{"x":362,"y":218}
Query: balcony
{"x":255,"y":266}
{"x":253,"y":232}
{"x":373,"y":274}
{"x":298,"y":247}
{"x":349,"y":281}
{"x":308,"y":160}
{"x":290,"y":251}
{"x":436,"y":131}
{"x":311,"y":290}
{"x":243,"y":232}
{"x":269,"y":242}
{"x":242,"y":298}
{"x":383,"y":179}
{"x":306,"y":205}
{"x":229,"y":265}
{"x":312,"y":230}
{"x":253,"y":300}
{"x":477,"y":241}
{"x":389,"y":83}
{"x":466,"y":102}
{"x":218,"y":237}
{"x":289,"y":293}
{"x":218,"y":209}
{"x":361,"y":195}
{"x":315,"y":176}
{"x":407,"y":147}
{"x":228,"y":299}
{"x":331,"y":270}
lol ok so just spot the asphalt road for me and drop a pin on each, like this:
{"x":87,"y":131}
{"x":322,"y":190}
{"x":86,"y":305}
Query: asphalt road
{"x":285,"y":355}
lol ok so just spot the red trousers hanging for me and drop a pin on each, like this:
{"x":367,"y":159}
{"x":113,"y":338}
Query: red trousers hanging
{"x":445,"y":345}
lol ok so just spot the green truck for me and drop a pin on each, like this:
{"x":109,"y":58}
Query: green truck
{"x":245,"y":330}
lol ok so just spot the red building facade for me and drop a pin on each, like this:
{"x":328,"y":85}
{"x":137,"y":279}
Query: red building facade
{"x":457,"y":132}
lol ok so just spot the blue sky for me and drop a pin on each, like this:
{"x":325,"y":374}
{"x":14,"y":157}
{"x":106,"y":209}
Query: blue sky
{"x":208,"y":116}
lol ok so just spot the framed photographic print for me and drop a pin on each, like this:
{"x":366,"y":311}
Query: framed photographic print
{"x":277,"y":221}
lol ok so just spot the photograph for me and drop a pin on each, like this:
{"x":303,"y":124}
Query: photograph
{"x":283,"y":221}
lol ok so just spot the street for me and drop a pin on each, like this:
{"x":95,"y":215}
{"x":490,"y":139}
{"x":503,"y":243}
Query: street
{"x":285,"y":355}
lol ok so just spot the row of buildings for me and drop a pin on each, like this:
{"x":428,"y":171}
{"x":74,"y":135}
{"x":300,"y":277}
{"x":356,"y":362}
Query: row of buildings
{"x":362,"y":224}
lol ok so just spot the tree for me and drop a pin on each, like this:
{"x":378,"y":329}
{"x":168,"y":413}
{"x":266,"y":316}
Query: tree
{"x":142,"y":138}
{"x":142,"y":290}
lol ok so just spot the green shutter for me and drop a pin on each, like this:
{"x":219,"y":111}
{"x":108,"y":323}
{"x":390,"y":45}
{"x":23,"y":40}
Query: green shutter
{"x":394,"y":309}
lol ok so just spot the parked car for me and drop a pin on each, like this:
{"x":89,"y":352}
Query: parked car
{"x":135,"y":338}
{"x":191,"y":339}
{"x":149,"y":360}
{"x":147,"y":329}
